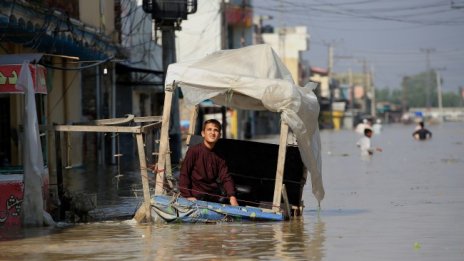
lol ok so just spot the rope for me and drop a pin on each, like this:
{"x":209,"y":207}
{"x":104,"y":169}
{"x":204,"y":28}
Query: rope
{"x":169,"y":189}
{"x":154,"y":168}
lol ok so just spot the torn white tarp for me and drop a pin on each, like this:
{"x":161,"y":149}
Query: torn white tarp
{"x":255,"y":78}
{"x":32,"y":206}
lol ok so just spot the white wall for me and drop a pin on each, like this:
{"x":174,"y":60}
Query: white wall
{"x":201,"y":32}
{"x":288,"y":43}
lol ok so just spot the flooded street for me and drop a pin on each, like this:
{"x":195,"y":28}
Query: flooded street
{"x":406,"y":203}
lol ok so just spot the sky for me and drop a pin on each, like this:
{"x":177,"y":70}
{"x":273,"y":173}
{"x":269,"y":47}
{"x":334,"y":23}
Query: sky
{"x":395,"y":37}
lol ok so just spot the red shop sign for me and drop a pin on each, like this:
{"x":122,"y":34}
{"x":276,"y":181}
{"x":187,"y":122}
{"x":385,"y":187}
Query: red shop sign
{"x":9,"y":75}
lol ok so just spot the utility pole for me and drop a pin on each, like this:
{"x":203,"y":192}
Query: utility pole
{"x":330,"y":57}
{"x":428,"y":75}
{"x":330,"y":61}
{"x":168,"y":16}
{"x":439,"y":92}
{"x":372,"y":88}
{"x":440,"y":104}
{"x":350,"y":76}
{"x":365,"y":84}
{"x":351,"y":88}
{"x":404,"y":98}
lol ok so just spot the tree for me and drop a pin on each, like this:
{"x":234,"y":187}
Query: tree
{"x":416,"y":92}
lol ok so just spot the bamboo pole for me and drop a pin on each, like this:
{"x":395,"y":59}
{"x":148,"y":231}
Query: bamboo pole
{"x":87,"y":128}
{"x":280,"y":166}
{"x":168,"y":171}
{"x":193,"y":123}
{"x":286,"y":202}
{"x":68,"y":150}
{"x":59,"y":173}
{"x":144,"y":175}
{"x":164,"y":140}
{"x":304,"y":178}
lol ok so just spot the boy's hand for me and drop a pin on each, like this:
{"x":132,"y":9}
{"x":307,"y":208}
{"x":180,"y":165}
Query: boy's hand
{"x":233,"y":201}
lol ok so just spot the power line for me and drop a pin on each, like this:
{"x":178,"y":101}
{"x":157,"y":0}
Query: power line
{"x":403,"y":12}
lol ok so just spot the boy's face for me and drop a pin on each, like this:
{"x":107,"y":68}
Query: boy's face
{"x":211,"y":133}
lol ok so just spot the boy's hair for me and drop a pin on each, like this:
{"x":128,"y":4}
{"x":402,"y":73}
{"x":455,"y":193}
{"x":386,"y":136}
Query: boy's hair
{"x":367,"y":130}
{"x":213,"y":121}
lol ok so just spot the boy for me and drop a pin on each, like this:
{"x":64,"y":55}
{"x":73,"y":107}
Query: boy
{"x":365,"y":144}
{"x":202,"y":167}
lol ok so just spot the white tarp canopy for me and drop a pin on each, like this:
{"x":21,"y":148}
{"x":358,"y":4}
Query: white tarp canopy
{"x":254,"y":78}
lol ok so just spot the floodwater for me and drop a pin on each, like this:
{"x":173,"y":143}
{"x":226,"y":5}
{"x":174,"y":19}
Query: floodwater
{"x":406,"y":203}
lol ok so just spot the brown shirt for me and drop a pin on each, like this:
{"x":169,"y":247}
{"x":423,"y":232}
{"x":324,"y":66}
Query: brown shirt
{"x":200,"y":171}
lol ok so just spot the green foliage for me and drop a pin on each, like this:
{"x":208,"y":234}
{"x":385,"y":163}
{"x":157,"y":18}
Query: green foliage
{"x":451,"y":99}
{"x":388,"y":95}
{"x":420,"y":91}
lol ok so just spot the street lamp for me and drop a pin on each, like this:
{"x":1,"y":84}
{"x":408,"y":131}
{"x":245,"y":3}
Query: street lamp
{"x":169,"y":12}
{"x":168,"y":15}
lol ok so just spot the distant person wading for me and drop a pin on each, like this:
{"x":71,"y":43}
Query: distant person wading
{"x":365,"y":144}
{"x":422,"y":133}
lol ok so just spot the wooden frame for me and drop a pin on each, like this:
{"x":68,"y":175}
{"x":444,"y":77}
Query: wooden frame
{"x":164,"y":158}
{"x":102,"y":126}
{"x":279,"y":190}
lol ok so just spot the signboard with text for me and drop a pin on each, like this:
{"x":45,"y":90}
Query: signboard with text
{"x":9,"y":75}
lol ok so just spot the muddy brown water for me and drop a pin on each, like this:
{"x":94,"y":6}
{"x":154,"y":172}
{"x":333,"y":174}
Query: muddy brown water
{"x":406,"y":203}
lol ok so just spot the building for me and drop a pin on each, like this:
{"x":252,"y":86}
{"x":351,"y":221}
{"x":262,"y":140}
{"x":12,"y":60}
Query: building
{"x":65,"y":38}
{"x":68,"y":39}
{"x":289,"y":43}
{"x":321,"y":76}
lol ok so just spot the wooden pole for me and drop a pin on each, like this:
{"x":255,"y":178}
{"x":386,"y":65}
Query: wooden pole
{"x":286,"y":202}
{"x":193,"y":123}
{"x":164,"y":141}
{"x":144,"y":175}
{"x":59,"y":172}
{"x":68,"y":150}
{"x":280,"y":166}
{"x":168,"y":172}
{"x":303,"y":182}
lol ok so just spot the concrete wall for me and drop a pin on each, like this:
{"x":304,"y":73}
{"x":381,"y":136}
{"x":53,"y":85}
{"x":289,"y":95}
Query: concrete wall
{"x":289,"y":42}
{"x":64,"y":106}
{"x":323,"y":84}
{"x":201,"y":32}
{"x":98,"y":14}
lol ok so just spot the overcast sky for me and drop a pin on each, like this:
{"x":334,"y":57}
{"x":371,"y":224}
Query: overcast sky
{"x":394,"y":36}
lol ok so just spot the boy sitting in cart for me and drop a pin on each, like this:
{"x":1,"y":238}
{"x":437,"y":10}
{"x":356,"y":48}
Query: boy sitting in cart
{"x":203,"y":167}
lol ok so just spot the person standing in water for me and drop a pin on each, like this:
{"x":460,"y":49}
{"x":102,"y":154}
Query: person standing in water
{"x":377,"y":127}
{"x":365,"y":144}
{"x":422,"y":133}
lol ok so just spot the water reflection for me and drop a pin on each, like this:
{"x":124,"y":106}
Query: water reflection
{"x":293,"y":240}
{"x":300,"y":241}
